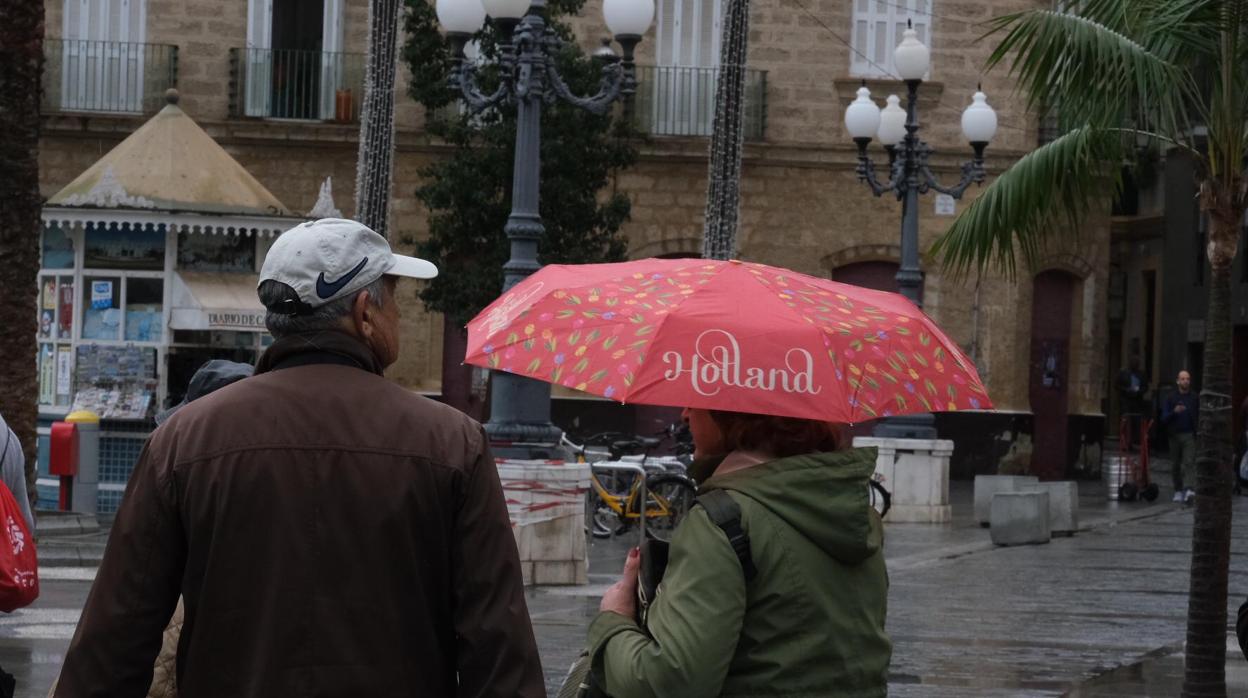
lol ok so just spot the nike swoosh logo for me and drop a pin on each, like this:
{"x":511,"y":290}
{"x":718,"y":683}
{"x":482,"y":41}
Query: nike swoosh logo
{"x":327,"y":289}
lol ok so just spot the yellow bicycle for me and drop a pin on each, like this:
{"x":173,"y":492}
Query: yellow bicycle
{"x":613,"y":503}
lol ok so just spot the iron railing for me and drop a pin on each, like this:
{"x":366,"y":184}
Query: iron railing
{"x":676,"y":101}
{"x":296,"y":84}
{"x":82,"y":75}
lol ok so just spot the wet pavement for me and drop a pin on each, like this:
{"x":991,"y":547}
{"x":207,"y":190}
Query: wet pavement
{"x":1100,"y":614}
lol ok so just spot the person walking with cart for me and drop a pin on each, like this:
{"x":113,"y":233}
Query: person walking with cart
{"x":1180,"y":413}
{"x":1132,"y":388}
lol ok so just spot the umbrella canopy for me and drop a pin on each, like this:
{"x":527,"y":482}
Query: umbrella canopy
{"x":726,"y":335}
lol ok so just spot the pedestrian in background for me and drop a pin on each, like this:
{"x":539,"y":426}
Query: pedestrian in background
{"x":13,"y":471}
{"x":1132,"y":387}
{"x":1180,"y":414}
{"x":333,"y":533}
{"x":799,"y":612}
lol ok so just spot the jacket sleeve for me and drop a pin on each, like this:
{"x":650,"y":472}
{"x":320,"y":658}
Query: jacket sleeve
{"x":1167,"y":410}
{"x":136,"y":589}
{"x":13,"y":470}
{"x":694,"y":624}
{"x":496,"y":652}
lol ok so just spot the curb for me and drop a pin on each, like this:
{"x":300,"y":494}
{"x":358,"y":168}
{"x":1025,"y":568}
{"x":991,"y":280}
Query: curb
{"x":51,"y":524}
{"x":952,"y":552}
{"x":53,"y":557}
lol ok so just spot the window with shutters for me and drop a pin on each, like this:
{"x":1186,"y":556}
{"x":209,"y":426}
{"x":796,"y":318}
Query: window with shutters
{"x":679,"y":98}
{"x":878,"y":28}
{"x":294,"y":59}
{"x":102,"y":55}
{"x":688,"y":33}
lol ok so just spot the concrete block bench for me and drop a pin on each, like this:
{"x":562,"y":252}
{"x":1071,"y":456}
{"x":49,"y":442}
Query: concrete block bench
{"x":546,"y":504}
{"x":1063,"y":504}
{"x":916,"y":471}
{"x":988,"y":485}
{"x":1020,"y":518}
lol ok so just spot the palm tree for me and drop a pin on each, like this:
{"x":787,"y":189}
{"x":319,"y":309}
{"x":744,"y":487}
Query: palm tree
{"x":21,"y":67}
{"x":1118,"y":70}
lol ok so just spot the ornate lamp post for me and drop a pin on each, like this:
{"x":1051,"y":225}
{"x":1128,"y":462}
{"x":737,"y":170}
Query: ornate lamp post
{"x":520,"y":407}
{"x":909,"y":176}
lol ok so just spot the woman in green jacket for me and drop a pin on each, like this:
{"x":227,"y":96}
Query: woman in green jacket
{"x":811,"y":620}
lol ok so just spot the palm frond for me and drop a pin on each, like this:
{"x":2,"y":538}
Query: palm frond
{"x":1228,"y":94}
{"x":1174,"y":31}
{"x":1097,"y":75}
{"x":1043,"y":195}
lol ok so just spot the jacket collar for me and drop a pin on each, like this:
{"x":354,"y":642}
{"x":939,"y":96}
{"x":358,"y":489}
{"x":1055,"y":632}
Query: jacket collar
{"x":318,"y":348}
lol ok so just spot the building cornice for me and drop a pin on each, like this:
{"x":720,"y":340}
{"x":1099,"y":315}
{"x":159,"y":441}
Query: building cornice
{"x":669,"y":149}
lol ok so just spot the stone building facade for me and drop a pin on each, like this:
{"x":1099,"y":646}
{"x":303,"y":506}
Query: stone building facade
{"x":1039,"y":338}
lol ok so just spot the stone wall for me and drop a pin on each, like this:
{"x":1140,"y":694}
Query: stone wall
{"x":810,"y":83}
{"x":801,"y":205}
{"x":204,"y":32}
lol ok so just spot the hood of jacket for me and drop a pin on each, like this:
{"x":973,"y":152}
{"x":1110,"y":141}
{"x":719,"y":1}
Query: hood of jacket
{"x":824,"y":496}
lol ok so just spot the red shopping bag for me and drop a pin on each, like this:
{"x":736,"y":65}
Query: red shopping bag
{"x":19,"y":568}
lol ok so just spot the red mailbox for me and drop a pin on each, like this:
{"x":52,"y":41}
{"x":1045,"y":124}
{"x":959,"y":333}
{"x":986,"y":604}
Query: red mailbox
{"x":63,"y":459}
{"x":63,"y":454}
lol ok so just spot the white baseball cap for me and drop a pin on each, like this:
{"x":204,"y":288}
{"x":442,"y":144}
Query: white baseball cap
{"x":332,"y":258}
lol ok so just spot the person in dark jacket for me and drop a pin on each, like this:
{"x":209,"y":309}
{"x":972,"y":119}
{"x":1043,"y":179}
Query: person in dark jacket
{"x":213,"y":375}
{"x":1241,"y":629}
{"x":1180,"y":414}
{"x":808,"y":621}
{"x":332,"y":533}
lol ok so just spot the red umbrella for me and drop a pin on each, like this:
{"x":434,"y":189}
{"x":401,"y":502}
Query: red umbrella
{"x":725,"y":335}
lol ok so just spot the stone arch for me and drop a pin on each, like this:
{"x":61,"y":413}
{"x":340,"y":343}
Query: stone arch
{"x":860,"y":253}
{"x":669,"y":246}
{"x":1068,"y":262}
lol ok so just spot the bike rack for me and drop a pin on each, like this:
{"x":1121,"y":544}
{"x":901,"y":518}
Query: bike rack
{"x":639,"y":470}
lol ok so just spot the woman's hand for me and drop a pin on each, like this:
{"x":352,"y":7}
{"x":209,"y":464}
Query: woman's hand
{"x":621,"y":598}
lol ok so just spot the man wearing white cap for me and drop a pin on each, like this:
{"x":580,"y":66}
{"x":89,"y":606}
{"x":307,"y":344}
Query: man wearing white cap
{"x":332,"y":533}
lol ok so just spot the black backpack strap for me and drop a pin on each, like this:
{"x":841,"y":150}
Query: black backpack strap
{"x":726,"y":513}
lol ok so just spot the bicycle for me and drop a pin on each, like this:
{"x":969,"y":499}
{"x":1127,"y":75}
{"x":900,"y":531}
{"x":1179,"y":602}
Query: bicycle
{"x":617,"y":488}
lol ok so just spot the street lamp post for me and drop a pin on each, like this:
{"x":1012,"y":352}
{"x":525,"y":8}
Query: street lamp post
{"x":520,"y":407}
{"x":910,"y":175}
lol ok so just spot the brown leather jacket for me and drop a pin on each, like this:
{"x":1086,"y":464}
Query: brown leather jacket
{"x":332,"y":533}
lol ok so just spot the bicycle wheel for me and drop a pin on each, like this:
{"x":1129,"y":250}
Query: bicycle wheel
{"x":668,"y":498}
{"x":598,"y":516}
{"x":601,"y":521}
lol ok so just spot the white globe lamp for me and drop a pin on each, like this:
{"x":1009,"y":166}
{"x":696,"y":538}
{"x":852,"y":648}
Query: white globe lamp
{"x":862,"y":116}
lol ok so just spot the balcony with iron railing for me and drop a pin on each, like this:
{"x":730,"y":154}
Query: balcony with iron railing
{"x":296,"y":84}
{"x":677,"y":101}
{"x":119,"y":77}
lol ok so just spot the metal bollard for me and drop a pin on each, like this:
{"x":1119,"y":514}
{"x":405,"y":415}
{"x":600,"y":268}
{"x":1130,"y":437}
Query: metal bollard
{"x":86,"y":487}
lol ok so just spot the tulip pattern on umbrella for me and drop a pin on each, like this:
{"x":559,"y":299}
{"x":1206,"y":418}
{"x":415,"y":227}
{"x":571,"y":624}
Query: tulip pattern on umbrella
{"x":725,"y":335}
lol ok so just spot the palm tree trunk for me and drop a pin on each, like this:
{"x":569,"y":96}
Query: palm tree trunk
{"x":375,"y":163}
{"x":723,"y":195}
{"x":1205,"y":663}
{"x":21,"y":67}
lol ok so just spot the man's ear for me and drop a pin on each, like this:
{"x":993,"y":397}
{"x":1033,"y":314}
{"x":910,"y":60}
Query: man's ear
{"x":362,"y":315}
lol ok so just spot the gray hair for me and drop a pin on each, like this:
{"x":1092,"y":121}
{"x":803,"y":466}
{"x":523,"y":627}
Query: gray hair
{"x":326,"y":317}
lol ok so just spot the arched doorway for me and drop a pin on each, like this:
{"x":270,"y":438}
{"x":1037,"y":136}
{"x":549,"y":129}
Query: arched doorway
{"x":878,"y":275}
{"x":1052,"y":303}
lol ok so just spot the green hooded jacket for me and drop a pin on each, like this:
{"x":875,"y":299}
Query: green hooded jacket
{"x":810,"y":623}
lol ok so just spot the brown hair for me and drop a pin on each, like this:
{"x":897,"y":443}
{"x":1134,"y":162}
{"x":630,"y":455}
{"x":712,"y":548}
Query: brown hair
{"x":777,"y":436}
